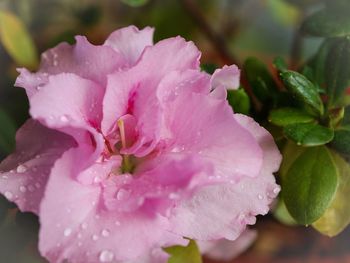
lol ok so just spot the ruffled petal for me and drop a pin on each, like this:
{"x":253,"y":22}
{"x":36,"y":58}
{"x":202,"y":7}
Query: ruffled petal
{"x":133,"y":92}
{"x":71,"y":104}
{"x":223,"y":211}
{"x":206,"y":126}
{"x":83,"y":59}
{"x":226,"y":250}
{"x":227,"y":77}
{"x":130,"y":42}
{"x":85,"y":231}
{"x":24,"y":173}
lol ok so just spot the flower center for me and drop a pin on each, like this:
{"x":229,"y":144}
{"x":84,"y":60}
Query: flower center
{"x":128,"y":164}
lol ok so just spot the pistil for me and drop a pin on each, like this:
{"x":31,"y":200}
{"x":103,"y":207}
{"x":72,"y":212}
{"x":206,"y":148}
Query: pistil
{"x":127,"y":166}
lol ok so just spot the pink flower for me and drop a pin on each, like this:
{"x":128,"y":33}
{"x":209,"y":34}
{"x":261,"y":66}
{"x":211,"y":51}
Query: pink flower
{"x":131,"y":148}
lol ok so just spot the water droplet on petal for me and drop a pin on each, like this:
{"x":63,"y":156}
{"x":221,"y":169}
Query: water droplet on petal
{"x":173,"y":196}
{"x":276,"y":190}
{"x":37,"y":185}
{"x":105,"y":233}
{"x":21,"y":169}
{"x":23,"y":189}
{"x":106,"y":256}
{"x":260,"y":197}
{"x":79,"y":244}
{"x":84,"y":225}
{"x":8,"y":195}
{"x":63,"y":118}
{"x":117,"y":223}
{"x":97,"y":179}
{"x":67,"y":232}
{"x":94,"y":237}
{"x":122,"y":194}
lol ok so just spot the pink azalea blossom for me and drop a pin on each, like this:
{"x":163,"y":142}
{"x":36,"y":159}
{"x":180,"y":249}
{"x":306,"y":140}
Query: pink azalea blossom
{"x":130,"y":148}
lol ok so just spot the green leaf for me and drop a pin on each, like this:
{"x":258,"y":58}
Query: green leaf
{"x":303,"y":89}
{"x":7,"y":133}
{"x":325,"y":23}
{"x":341,"y":141}
{"x":338,"y":70}
{"x":239,"y":101}
{"x":310,"y":185}
{"x":180,"y":254}
{"x":259,"y":79}
{"x":286,"y":116}
{"x":308,"y":134}
{"x":280,"y":64}
{"x":337,"y":215}
{"x":17,"y":41}
{"x":135,"y":3}
{"x":290,"y":153}
{"x":281,"y":214}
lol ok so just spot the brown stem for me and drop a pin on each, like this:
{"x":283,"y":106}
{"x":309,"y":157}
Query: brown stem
{"x":217,"y":40}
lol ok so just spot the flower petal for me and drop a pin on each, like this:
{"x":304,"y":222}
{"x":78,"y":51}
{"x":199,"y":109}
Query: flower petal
{"x":24,"y":173}
{"x":226,"y":250}
{"x":223,"y":211}
{"x":85,"y":230}
{"x":83,"y":59}
{"x":206,"y":126}
{"x":130,"y":42}
{"x":228,"y":77}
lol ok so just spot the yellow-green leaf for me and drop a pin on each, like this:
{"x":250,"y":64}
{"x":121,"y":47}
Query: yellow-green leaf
{"x":180,"y":254}
{"x":337,"y":216}
{"x":17,"y":41}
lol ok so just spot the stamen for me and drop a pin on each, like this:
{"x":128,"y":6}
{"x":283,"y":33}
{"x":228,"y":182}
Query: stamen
{"x":122,"y":132}
{"x":127,"y":165}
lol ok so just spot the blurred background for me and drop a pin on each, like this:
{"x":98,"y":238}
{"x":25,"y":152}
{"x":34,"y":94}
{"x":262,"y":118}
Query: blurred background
{"x":226,"y":31}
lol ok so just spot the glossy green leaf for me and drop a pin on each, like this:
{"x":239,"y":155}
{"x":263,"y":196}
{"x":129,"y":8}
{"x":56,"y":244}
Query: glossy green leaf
{"x":341,"y":141}
{"x":338,"y":70}
{"x":180,"y":254}
{"x":286,"y":116}
{"x":327,"y":24}
{"x":281,"y":214}
{"x":259,"y":78}
{"x":135,"y":3}
{"x":7,"y":133}
{"x":310,"y":185}
{"x":290,"y":153}
{"x":303,"y":89}
{"x":239,"y":101}
{"x":280,"y":64}
{"x":17,"y":41}
{"x":337,"y":215}
{"x":308,"y":134}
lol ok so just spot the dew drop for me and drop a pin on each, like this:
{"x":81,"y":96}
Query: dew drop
{"x":122,"y":194}
{"x":79,"y":244}
{"x":117,"y":223}
{"x":260,"y":197}
{"x":63,"y":118}
{"x":276,"y":190}
{"x":37,"y":185}
{"x":94,"y":237}
{"x":105,"y":232}
{"x":106,"y":256}
{"x":97,"y":179}
{"x":84,"y":225}
{"x":8,"y":195}
{"x":173,"y":196}
{"x":67,"y":232}
{"x":23,"y":189}
{"x":21,"y":169}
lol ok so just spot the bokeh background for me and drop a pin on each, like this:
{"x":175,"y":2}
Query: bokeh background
{"x":226,"y":31}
